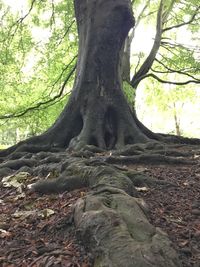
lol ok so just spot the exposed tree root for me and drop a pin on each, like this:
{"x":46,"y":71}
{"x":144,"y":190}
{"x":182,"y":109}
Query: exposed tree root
{"x":164,"y":138}
{"x":140,"y":179}
{"x":179,"y":139}
{"x":59,"y":185}
{"x":44,"y":162}
{"x":116,"y":230}
{"x":111,"y":220}
{"x":150,"y":159}
{"x":159,"y":148}
{"x":18,"y":163}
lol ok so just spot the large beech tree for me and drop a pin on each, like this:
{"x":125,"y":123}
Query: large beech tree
{"x":97,"y":112}
{"x":111,"y":220}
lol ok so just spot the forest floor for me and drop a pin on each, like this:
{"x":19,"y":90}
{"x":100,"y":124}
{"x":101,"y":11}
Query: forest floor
{"x":37,"y":230}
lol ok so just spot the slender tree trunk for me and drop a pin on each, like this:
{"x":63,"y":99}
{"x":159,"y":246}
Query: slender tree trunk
{"x":176,"y":121}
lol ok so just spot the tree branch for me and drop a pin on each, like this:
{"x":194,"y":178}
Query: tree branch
{"x":29,"y":11}
{"x":141,"y":14}
{"x":52,"y":19}
{"x":66,"y":32}
{"x":170,"y":70}
{"x":175,"y":44}
{"x":14,"y":27}
{"x":138,"y":63}
{"x":61,"y":74}
{"x":22,"y":113}
{"x":146,"y":66}
{"x":169,"y":82}
{"x":183,"y":23}
{"x":127,"y":47}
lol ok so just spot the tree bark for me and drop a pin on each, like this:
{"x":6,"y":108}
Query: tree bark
{"x":97,"y":112}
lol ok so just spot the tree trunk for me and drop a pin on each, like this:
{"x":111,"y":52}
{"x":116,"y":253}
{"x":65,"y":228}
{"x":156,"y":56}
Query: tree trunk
{"x":176,"y":121}
{"x":97,"y":112}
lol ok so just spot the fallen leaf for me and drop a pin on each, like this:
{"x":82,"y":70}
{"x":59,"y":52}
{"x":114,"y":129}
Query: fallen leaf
{"x":142,"y":189}
{"x":20,"y":196}
{"x":47,"y":213}
{"x":183,"y":243}
{"x":4,"y":233}
{"x":16,"y":180}
{"x":24,"y":214}
{"x":83,"y":194}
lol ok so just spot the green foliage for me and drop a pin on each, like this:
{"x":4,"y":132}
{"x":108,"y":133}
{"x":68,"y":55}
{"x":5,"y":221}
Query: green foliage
{"x":38,"y":53}
{"x":129,"y":94}
{"x":179,"y":45}
{"x":176,"y":66}
{"x":164,"y":97}
{"x":174,"y":103}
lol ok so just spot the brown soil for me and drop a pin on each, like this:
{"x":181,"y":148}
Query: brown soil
{"x":40,"y":239}
{"x":176,"y":210}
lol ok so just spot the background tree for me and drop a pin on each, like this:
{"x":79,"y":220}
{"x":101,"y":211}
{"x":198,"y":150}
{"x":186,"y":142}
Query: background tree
{"x":172,"y":102}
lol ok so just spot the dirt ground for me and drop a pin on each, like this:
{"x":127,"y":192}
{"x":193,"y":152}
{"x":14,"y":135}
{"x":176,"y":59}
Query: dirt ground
{"x":37,"y":230}
{"x":176,"y":210}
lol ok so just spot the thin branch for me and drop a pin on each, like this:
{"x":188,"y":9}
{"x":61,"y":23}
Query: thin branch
{"x":171,"y":72}
{"x":168,"y":10}
{"x":183,"y":23}
{"x":52,"y":19}
{"x":168,"y":82}
{"x":52,"y":103}
{"x":66,"y":32}
{"x":16,"y":25}
{"x":20,"y":114}
{"x":174,"y":71}
{"x":4,"y":15}
{"x":169,"y":50}
{"x":29,"y":11}
{"x":141,"y":14}
{"x":175,"y":44}
{"x":138,"y":63}
{"x":63,"y":71}
{"x":149,"y":14}
{"x":146,"y":66}
{"x":127,"y":47}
